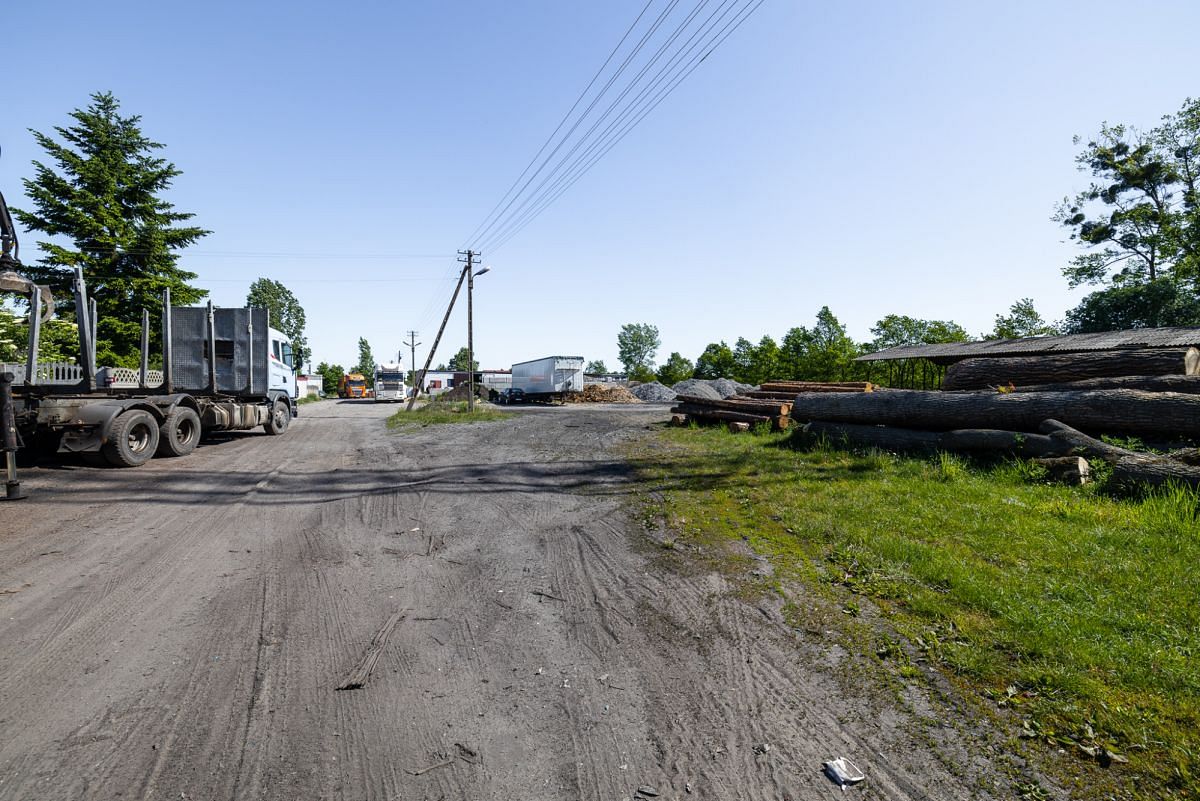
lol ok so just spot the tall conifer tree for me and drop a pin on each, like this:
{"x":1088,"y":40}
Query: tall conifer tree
{"x":101,"y":203}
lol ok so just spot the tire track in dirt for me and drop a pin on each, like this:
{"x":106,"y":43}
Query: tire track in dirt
{"x":223,"y":663}
{"x":146,"y":571}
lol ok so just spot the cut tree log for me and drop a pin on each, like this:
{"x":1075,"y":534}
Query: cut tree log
{"x":711,"y":416}
{"x":982,"y":441}
{"x":757,"y":394}
{"x":996,"y":371}
{"x":693,"y":410}
{"x":817,"y":386}
{"x":739,"y":428}
{"x":1187,"y":384}
{"x":1129,"y":467}
{"x":1070,"y":470}
{"x":1127,"y":410}
{"x":750,"y":405}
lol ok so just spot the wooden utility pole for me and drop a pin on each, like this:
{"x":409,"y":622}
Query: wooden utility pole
{"x":438,"y":338}
{"x":469,"y":259}
{"x":412,"y":344}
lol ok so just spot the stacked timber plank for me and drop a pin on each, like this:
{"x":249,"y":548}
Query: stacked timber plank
{"x":771,"y":403}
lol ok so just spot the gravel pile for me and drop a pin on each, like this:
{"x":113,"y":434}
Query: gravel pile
{"x":654,"y":392}
{"x":697,"y":388}
{"x":728,"y":388}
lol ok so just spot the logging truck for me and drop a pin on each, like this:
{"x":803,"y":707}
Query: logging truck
{"x":222,"y":370}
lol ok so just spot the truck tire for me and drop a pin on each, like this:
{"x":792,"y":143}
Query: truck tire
{"x":132,"y":440}
{"x":281,"y":415}
{"x":179,"y":433}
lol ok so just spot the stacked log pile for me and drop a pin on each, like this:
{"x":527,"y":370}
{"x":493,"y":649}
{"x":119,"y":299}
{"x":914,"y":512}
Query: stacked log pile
{"x":771,"y":404}
{"x":786,"y":390}
{"x":1109,"y":410}
{"x":1034,"y":407}
{"x":998,"y":371}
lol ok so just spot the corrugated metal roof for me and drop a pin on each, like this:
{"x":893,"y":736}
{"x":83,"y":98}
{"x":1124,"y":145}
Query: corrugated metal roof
{"x":1180,"y":337}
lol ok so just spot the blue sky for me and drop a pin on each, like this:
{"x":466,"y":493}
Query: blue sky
{"x":874,"y":157}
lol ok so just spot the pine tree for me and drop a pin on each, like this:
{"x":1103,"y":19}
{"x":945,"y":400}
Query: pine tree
{"x":102,"y":205}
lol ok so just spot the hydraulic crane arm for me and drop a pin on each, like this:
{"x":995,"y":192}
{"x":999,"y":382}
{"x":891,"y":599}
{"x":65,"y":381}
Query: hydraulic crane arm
{"x":10,"y":280}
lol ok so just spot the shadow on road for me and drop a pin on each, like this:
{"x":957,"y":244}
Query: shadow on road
{"x":300,"y":488}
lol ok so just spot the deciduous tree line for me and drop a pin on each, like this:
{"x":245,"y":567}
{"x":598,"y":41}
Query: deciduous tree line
{"x":824,"y":352}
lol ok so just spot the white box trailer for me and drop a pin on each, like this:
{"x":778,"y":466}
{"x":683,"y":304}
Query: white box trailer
{"x":548,"y":377}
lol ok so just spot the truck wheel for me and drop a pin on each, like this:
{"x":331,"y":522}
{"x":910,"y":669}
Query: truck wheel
{"x":281,"y":415}
{"x":180,"y":433}
{"x":132,"y":439}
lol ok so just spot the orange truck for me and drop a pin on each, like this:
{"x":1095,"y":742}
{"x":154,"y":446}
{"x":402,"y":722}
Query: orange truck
{"x":352,"y":385}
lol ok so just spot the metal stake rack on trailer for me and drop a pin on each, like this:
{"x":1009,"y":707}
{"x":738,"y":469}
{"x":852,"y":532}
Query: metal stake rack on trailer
{"x":222,"y":370}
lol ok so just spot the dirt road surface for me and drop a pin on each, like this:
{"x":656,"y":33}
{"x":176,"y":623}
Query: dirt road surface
{"x":179,"y":631}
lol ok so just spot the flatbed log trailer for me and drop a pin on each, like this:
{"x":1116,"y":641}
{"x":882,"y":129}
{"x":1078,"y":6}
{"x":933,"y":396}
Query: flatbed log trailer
{"x":223,"y":370}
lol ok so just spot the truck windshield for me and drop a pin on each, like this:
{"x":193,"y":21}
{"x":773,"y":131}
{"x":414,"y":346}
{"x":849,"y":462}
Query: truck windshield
{"x":389,"y":376}
{"x":357,"y":383}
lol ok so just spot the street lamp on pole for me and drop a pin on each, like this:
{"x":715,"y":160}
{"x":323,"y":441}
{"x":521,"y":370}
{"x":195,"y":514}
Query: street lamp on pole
{"x":471,"y":334}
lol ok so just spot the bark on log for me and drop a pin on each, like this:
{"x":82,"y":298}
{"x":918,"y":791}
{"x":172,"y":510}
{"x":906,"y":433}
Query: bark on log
{"x":700,"y":415}
{"x":749,"y":406}
{"x":1129,"y":467}
{"x":976,"y":440}
{"x":739,"y":428}
{"x":816,"y":386}
{"x":1187,"y":384}
{"x":720,"y":414}
{"x":757,"y":394}
{"x":982,"y":372}
{"x":1127,"y":410}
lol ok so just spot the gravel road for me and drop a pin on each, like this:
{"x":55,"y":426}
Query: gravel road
{"x":179,"y":631}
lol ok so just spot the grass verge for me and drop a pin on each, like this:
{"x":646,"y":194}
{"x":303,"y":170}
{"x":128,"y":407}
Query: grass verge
{"x":1073,"y":615}
{"x":439,"y":412}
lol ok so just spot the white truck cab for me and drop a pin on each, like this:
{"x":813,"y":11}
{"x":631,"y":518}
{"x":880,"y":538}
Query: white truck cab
{"x":389,"y":382}
{"x":281,"y":372}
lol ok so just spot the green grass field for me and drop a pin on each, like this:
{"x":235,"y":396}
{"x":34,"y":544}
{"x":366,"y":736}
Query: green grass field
{"x":438,"y":412}
{"x":1072,"y":615}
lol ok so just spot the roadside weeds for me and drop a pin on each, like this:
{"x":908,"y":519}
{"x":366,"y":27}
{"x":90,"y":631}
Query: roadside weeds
{"x":1061,"y":614}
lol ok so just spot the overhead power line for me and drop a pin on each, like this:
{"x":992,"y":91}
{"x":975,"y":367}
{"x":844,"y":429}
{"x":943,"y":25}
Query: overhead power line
{"x":563,"y":121}
{"x":255,"y":254}
{"x":623,"y":125}
{"x":608,"y":84}
{"x":676,"y":57}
